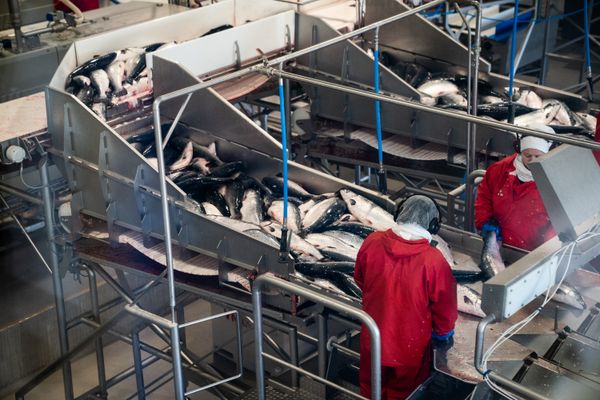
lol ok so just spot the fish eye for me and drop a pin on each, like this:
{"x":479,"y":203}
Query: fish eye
{"x":467,"y":300}
{"x":353,"y":202}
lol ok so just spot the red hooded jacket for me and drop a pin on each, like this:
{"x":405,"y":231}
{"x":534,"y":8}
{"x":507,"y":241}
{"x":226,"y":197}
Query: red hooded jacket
{"x":516,"y":205}
{"x":409,"y":290}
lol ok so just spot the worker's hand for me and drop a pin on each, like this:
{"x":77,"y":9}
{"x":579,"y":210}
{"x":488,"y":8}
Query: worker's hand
{"x":442,"y":343}
{"x":491,"y":226}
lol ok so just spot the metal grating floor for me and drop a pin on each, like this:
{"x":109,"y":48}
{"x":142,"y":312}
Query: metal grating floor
{"x":300,"y":394}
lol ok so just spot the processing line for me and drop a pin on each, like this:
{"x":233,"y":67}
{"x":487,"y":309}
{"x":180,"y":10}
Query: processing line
{"x":112,"y":182}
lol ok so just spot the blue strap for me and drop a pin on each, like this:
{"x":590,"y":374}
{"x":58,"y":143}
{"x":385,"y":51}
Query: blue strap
{"x":442,"y":337}
{"x":513,"y":49}
{"x":285,"y":153}
{"x":378,"y":108}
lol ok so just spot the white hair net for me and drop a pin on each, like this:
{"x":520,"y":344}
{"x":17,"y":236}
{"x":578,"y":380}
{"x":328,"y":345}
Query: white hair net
{"x":418,"y":209}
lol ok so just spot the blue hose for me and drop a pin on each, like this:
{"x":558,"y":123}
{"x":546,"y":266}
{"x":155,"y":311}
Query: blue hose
{"x":285,"y":153}
{"x":513,"y":49}
{"x":588,"y":59}
{"x":378,"y":110}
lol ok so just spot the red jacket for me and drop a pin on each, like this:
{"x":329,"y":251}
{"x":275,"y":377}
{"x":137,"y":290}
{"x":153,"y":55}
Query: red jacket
{"x":83,"y":5}
{"x":409,"y":290}
{"x":516,"y":205}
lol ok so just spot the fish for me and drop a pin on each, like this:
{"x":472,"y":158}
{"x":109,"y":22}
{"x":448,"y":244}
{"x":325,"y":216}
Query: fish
{"x":454,"y":99}
{"x":355,"y":228}
{"x":308,"y":204}
{"x":262,"y":236}
{"x":349,"y":238}
{"x":228,"y":169}
{"x":347,"y":218}
{"x":490,"y":99}
{"x":116,"y":75}
{"x":543,"y":116}
{"x":81,"y":81}
{"x":86,"y":95}
{"x":366,"y":211}
{"x":234,"y":195}
{"x":200,"y":164}
{"x":345,"y":283}
{"x":251,"y":210}
{"x":438,"y":88}
{"x":207,"y":152}
{"x":491,"y":261}
{"x":464,"y":276}
{"x":500,"y":110}
{"x":427,"y":100}
{"x":469,"y":301}
{"x":414,"y":74}
{"x":235,"y":224}
{"x":275,"y":184}
{"x":530,"y":99}
{"x":135,"y":68}
{"x":323,"y":214}
{"x":332,"y":247}
{"x":293,"y":221}
{"x":296,"y":243}
{"x":216,"y":199}
{"x":98,"y":62}
{"x":196,"y":183}
{"x":153,"y":47}
{"x":319,"y":269}
{"x":588,"y":121}
{"x":184,"y":159}
{"x":568,"y":295}
{"x":100,"y":110}
{"x":575,"y":130}
{"x":210,"y":209}
{"x":563,"y":115}
{"x":444,"y":248}
{"x":101,"y":83}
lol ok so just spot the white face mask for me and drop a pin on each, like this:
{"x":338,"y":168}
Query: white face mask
{"x":521,"y":171}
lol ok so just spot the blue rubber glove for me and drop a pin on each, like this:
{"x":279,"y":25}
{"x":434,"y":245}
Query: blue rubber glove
{"x":492,"y":226}
{"x":442,"y":342}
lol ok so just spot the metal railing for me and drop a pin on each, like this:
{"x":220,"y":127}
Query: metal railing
{"x":327,"y":302}
{"x":468,"y":189}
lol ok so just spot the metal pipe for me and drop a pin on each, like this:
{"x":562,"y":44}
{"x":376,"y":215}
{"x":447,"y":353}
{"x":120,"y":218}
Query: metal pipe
{"x":99,"y":344}
{"x":137,"y":362}
{"x":469,"y":201}
{"x":59,"y":298}
{"x":15,"y":13}
{"x":294,"y":357}
{"x":527,"y":36}
{"x":479,"y":341}
{"x":475,"y":84}
{"x":22,"y":194}
{"x":438,"y":111}
{"x":327,"y":302}
{"x":544,"y":61}
{"x":451,"y":204}
{"x":322,"y":344}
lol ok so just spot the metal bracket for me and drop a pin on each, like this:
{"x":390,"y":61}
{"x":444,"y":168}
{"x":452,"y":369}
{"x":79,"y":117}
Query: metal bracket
{"x":76,"y":207}
{"x":312,"y":65}
{"x":68,"y":148}
{"x":141,"y":202}
{"x":111,"y":206}
{"x":452,"y":151}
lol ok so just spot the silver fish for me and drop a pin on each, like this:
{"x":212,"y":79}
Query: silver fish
{"x":543,"y":116}
{"x":332,"y":247}
{"x":454,"y":99}
{"x":491,"y":260}
{"x":588,"y":121}
{"x":563,"y":116}
{"x":490,"y":99}
{"x":82,"y":80}
{"x":347,"y":218}
{"x":297,"y":244}
{"x":568,"y":295}
{"x":307,"y":205}
{"x":210,"y":209}
{"x":276,"y":212}
{"x":438,"y":87}
{"x":100,"y":110}
{"x":323,"y":214}
{"x":183,"y":160}
{"x":530,"y":99}
{"x":251,"y":209}
{"x":349,"y":238}
{"x":234,"y":224}
{"x":428,"y":100}
{"x":116,"y":76}
{"x":261,"y":236}
{"x":469,"y":301}
{"x":101,"y":82}
{"x":366,"y":211}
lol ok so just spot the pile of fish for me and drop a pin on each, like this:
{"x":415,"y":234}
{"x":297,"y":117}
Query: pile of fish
{"x":450,"y":91}
{"x":113,"y":79}
{"x":118,"y":79}
{"x":491,"y":263}
{"x":325,"y":231}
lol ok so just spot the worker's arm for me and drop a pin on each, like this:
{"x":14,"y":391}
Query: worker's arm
{"x":442,"y":298}
{"x":73,"y":8}
{"x":483,"y":204}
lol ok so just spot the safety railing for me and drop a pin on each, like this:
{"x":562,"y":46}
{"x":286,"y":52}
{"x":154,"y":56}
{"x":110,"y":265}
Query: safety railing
{"x":468,"y":189}
{"x":336,"y":305}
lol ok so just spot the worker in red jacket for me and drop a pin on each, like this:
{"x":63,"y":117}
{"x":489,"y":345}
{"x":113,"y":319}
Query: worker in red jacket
{"x":508,"y":200}
{"x":76,"y":6}
{"x":409,"y":290}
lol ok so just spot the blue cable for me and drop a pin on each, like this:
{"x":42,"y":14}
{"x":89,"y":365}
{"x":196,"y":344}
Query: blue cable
{"x":588,"y":59}
{"x":378,"y":109}
{"x":513,"y":49}
{"x":285,"y":153}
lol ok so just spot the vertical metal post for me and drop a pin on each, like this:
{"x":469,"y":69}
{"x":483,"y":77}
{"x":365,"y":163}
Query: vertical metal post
{"x":322,"y":344}
{"x":544,"y":62}
{"x":137,"y":362}
{"x":175,"y":344}
{"x":99,"y":344}
{"x":181,"y":319}
{"x":258,"y":340}
{"x":475,"y":85}
{"x":15,"y":15}
{"x":294,"y":358}
{"x":288,"y":109}
{"x":59,"y":298}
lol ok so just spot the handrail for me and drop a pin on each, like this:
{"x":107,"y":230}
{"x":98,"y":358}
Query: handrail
{"x":469,"y":201}
{"x":328,"y":303}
